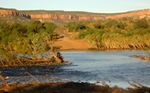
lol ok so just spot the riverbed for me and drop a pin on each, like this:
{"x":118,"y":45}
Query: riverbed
{"x":111,"y":67}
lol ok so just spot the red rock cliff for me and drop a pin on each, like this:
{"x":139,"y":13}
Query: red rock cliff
{"x":12,"y":12}
{"x":88,"y":16}
{"x":53,"y":16}
{"x":78,"y":16}
{"x":6,"y":12}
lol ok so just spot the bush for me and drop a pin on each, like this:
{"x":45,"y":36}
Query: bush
{"x":142,"y":23}
{"x":29,"y":38}
{"x":119,"y":34}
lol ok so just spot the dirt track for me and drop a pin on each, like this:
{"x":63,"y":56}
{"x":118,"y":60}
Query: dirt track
{"x":73,"y":44}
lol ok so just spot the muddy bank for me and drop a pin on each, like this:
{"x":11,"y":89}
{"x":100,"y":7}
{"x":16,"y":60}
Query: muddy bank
{"x":70,"y":87}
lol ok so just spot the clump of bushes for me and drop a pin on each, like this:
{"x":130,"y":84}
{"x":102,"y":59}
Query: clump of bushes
{"x":125,"y":33}
{"x":29,"y":38}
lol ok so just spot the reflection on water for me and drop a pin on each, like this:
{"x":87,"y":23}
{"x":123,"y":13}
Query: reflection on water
{"x":112,"y":67}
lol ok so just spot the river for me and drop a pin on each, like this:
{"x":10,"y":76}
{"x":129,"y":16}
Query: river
{"x":111,"y":67}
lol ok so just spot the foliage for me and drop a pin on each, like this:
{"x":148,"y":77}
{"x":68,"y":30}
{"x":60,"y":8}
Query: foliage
{"x":28,"y":38}
{"x":126,"y":33}
{"x":142,"y":23}
{"x":76,"y":26}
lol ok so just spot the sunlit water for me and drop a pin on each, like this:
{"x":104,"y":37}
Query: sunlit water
{"x":112,"y":67}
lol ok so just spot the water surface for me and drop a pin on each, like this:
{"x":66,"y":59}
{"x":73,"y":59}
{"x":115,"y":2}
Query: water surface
{"x":112,"y":67}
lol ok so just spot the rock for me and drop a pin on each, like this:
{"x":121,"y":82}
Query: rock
{"x":77,"y":16}
{"x":12,"y":12}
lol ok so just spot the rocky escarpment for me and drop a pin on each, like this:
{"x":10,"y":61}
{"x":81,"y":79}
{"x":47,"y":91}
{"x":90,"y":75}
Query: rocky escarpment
{"x":77,"y":16}
{"x":6,"y":12}
{"x":12,"y":12}
{"x":85,"y":16}
{"x":63,"y":15}
{"x":50,"y":15}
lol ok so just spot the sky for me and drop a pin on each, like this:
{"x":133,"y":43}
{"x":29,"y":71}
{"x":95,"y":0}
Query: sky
{"x":99,"y":6}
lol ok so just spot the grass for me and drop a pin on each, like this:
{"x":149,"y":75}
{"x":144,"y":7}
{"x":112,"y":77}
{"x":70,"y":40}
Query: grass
{"x":114,"y":34}
{"x":24,"y":37}
{"x":28,"y":37}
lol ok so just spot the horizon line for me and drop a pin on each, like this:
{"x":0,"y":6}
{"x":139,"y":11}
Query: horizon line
{"x":132,"y":10}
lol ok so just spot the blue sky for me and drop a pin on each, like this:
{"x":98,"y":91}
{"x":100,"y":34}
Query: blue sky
{"x":78,"y":5}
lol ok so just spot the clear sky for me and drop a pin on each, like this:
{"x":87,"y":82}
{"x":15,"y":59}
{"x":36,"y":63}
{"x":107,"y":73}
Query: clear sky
{"x":78,"y":5}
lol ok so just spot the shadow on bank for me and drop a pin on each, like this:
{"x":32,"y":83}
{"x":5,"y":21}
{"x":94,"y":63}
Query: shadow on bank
{"x":70,"y":87}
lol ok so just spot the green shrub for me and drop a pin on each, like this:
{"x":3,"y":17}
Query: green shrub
{"x":29,"y":38}
{"x":117,"y":33}
{"x":142,"y":23}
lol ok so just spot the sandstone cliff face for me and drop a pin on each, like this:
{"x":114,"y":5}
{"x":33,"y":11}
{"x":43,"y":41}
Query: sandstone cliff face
{"x":51,"y":16}
{"x":6,"y":12}
{"x":87,"y":17}
{"x":12,"y":12}
{"x":65,"y":16}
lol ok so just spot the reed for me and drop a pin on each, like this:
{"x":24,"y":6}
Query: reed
{"x":115,"y":34}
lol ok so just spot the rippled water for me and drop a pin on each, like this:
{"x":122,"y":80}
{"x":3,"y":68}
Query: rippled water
{"x":112,"y":67}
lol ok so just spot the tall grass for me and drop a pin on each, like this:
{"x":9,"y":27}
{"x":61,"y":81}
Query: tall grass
{"x":116,"y":34}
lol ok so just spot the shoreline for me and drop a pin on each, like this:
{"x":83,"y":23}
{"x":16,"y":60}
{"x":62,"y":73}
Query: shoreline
{"x":147,"y":58}
{"x":69,"y":87}
{"x":66,"y":50}
{"x":35,"y":65}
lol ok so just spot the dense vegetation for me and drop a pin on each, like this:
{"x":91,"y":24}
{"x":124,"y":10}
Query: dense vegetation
{"x":22,"y":39}
{"x":126,"y":33}
{"x":25,"y":39}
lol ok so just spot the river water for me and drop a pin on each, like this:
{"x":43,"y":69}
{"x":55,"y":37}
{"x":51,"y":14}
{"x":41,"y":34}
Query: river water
{"x":111,"y":67}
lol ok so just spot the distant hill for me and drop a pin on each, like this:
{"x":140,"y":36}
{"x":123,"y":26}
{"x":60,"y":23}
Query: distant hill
{"x":72,"y":15}
{"x":133,"y":14}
